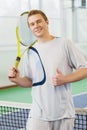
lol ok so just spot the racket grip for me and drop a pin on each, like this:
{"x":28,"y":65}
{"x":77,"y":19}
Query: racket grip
{"x":17,"y":62}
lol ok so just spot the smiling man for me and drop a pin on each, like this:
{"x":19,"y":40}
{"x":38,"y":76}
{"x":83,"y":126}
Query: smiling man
{"x":52,"y":104}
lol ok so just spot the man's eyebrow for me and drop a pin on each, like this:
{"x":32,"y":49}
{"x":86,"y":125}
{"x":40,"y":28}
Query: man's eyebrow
{"x":35,"y":21}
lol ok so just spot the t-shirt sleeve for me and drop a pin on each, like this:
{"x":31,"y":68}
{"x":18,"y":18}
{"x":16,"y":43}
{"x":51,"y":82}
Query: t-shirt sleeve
{"x":75,"y":57}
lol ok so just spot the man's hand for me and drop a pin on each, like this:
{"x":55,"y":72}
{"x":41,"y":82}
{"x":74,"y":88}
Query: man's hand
{"x":13,"y":74}
{"x":58,"y":78}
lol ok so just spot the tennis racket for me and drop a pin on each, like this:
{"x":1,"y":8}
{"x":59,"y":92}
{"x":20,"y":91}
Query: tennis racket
{"x":25,"y":38}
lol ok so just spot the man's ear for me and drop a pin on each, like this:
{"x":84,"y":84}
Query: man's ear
{"x":47,"y":22}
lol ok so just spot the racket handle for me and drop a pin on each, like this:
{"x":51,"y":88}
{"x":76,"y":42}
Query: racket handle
{"x":17,"y":62}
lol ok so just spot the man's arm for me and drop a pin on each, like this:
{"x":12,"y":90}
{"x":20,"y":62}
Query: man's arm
{"x":15,"y":77}
{"x":60,"y":79}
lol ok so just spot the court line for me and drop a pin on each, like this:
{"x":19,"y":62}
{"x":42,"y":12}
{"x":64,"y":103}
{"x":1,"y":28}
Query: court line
{"x":79,"y":94}
{"x":7,"y":86}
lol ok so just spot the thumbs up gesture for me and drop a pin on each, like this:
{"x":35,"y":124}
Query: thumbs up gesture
{"x":58,"y":78}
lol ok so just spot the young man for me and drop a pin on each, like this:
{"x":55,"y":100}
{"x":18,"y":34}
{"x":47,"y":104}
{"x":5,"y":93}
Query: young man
{"x":52,"y":105}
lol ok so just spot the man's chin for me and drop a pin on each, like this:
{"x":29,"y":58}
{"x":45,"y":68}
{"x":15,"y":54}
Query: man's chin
{"x":38,"y":35}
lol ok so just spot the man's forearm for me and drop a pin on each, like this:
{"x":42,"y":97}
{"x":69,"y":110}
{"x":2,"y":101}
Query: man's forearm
{"x":76,"y":75}
{"x":24,"y":82}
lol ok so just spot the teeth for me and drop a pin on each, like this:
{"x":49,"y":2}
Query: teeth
{"x":38,"y":30}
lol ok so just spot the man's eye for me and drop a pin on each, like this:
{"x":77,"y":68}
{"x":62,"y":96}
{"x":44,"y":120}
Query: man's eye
{"x":32,"y":24}
{"x":39,"y":21}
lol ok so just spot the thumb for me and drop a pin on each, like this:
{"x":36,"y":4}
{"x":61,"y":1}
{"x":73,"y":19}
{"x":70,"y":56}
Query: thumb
{"x":58,"y":71}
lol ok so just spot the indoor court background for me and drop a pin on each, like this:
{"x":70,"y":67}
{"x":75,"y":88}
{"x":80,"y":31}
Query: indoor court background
{"x":67,"y":18}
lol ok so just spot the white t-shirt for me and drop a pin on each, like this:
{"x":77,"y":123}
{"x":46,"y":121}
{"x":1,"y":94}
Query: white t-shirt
{"x":48,"y":102}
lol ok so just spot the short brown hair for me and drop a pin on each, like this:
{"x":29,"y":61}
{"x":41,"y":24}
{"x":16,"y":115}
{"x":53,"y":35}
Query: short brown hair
{"x":33,"y":12}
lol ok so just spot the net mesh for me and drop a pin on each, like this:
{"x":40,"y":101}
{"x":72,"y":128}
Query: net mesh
{"x":13,"y":116}
{"x":81,"y":119}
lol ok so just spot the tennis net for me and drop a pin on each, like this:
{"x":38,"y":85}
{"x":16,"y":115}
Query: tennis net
{"x":13,"y":116}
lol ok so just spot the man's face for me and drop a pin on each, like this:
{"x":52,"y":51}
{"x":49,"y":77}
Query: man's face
{"x":38,"y":25}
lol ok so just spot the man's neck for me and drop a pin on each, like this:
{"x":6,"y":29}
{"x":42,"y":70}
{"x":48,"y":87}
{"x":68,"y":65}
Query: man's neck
{"x":45,"y":39}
